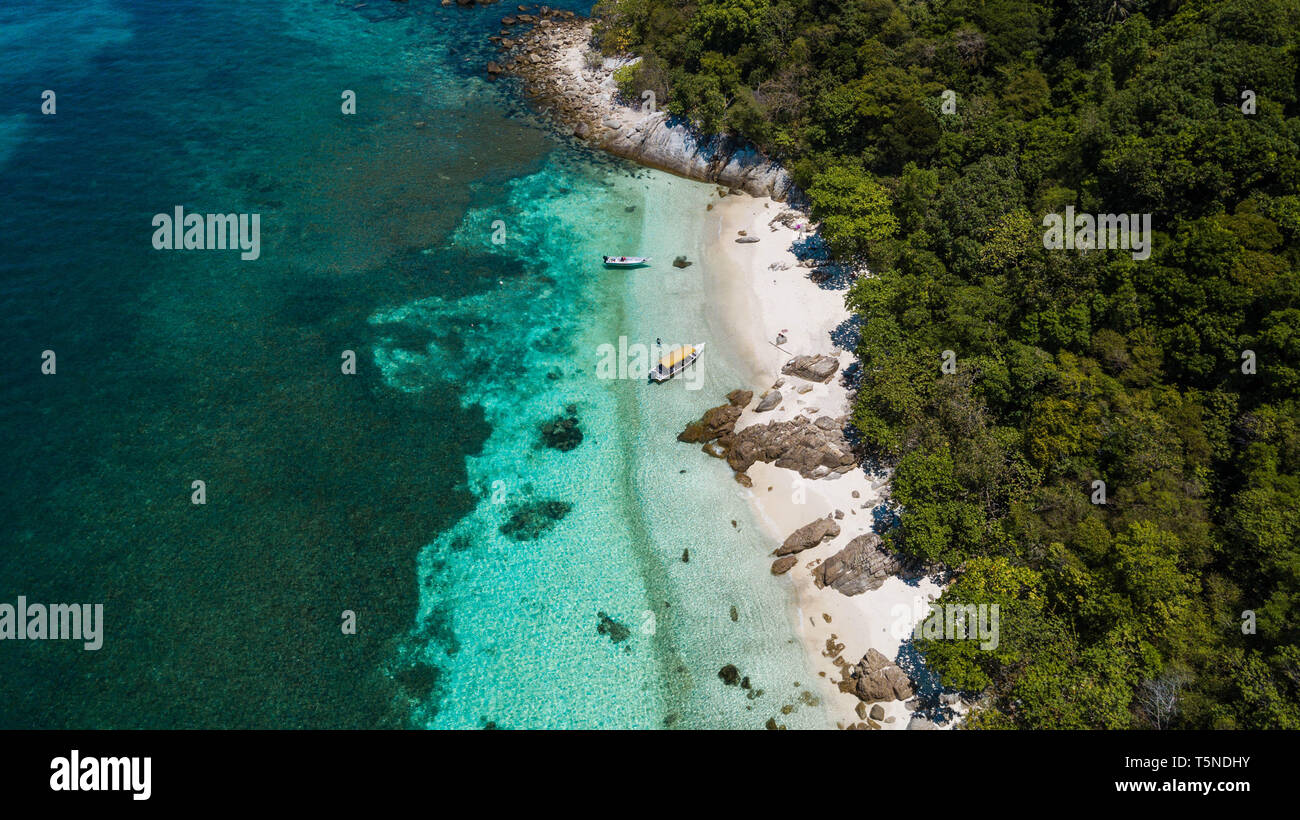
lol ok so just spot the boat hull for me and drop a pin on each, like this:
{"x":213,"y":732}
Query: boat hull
{"x":625,"y":261}
{"x":662,"y":374}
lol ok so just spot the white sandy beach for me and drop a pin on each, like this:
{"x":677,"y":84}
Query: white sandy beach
{"x":760,"y":290}
{"x":760,"y":301}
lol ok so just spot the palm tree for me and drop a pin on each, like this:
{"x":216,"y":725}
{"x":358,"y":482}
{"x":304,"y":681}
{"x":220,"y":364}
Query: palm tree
{"x":1117,"y":8}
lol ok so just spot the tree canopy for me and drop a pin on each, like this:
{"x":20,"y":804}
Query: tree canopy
{"x":932,"y":138}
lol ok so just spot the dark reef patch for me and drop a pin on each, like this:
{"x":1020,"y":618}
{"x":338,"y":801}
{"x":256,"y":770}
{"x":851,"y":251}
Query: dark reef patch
{"x":532,"y":520}
{"x":438,"y":628}
{"x":419,"y":680}
{"x":562,"y":432}
{"x":616,"y":631}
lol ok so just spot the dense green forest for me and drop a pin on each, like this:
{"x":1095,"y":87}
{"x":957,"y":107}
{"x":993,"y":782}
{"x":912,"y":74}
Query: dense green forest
{"x":931,"y":139}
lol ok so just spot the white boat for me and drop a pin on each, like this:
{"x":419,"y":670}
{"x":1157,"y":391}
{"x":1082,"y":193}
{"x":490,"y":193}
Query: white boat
{"x":677,"y":360}
{"x":625,"y":261}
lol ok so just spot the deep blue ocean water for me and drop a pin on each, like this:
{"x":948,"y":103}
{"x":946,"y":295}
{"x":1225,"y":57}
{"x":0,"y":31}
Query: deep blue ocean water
{"x":417,"y":493}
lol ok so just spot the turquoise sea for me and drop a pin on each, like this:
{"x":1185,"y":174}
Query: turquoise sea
{"x":446,"y":236}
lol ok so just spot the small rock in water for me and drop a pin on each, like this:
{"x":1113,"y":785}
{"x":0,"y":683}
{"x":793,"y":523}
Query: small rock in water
{"x":735,"y":613}
{"x":826,"y":617}
{"x":784,"y":564}
{"x":630,"y":208}
{"x":681,"y":262}
{"x":729,"y":674}
{"x":686,"y":555}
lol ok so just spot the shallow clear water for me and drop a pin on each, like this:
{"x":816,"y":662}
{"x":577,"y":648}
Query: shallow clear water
{"x":385,"y":492}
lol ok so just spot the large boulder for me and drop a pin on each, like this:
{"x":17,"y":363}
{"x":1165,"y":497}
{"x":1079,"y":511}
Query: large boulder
{"x":739,"y":398}
{"x":672,"y":144}
{"x":809,"y":536}
{"x":812,"y":368}
{"x":718,"y":422}
{"x":862,"y":565}
{"x":877,"y":678}
{"x":797,"y":444}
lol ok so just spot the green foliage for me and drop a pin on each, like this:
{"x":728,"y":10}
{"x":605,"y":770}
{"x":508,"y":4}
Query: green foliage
{"x":1072,"y":367}
{"x":854,"y":210}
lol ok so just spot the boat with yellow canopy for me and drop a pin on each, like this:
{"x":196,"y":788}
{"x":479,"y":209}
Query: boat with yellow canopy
{"x":677,"y":360}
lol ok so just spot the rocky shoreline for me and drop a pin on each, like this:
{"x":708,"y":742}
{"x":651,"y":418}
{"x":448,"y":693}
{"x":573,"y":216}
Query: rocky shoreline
{"x":816,"y":448}
{"x":551,"y":51}
{"x":780,"y":439}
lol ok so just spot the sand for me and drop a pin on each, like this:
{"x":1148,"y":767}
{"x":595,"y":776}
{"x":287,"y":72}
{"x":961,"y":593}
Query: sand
{"x":760,"y":290}
{"x":760,"y":301}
